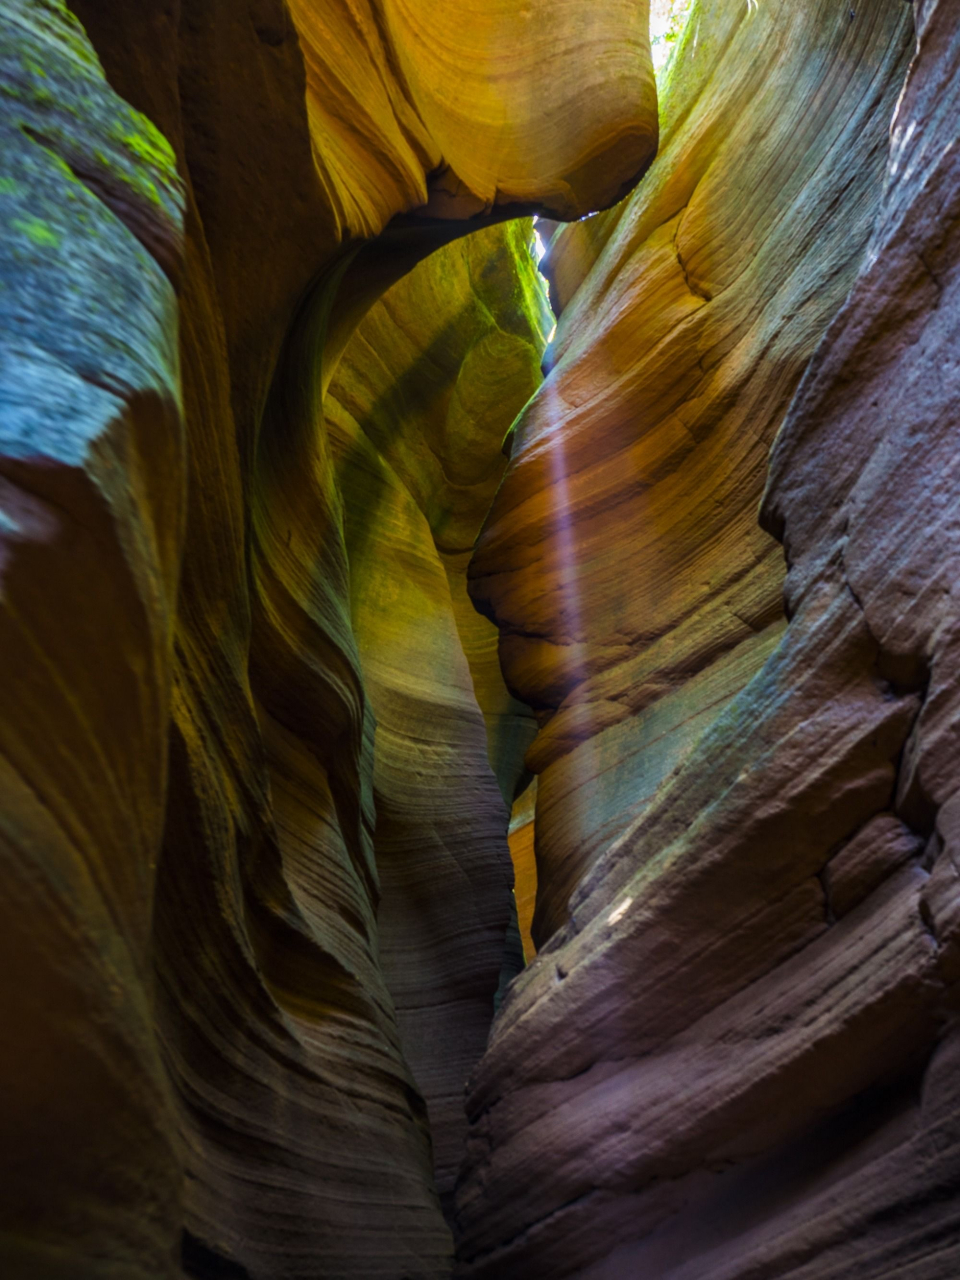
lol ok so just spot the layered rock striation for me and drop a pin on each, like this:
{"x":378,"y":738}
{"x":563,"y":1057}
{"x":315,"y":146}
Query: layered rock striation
{"x":415,"y":420}
{"x":192,"y":780}
{"x":739,"y":1045}
{"x":455,"y":111}
{"x":622,"y":560}
{"x":91,"y":528}
{"x":258,"y":750}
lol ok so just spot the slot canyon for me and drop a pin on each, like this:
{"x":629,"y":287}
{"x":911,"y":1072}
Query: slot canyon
{"x":480,"y":633}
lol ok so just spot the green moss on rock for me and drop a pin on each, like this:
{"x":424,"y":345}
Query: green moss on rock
{"x":40,"y":232}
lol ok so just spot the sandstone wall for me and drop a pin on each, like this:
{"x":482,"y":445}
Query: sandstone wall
{"x":622,"y":560}
{"x":456,"y":110}
{"x":91,"y":526}
{"x":416,"y":418}
{"x":737,"y":1055}
{"x":206,"y":1072}
{"x":257,"y":752}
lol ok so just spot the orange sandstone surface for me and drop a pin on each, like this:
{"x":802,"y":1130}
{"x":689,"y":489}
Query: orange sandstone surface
{"x":360,"y":646}
{"x":216,"y":1059}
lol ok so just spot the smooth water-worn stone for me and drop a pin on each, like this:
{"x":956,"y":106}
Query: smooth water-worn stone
{"x":91,"y":524}
{"x":257,"y":755}
{"x":186,"y":637}
{"x":622,"y":559}
{"x":415,"y":417}
{"x":460,"y":111}
{"x":731,"y":1076}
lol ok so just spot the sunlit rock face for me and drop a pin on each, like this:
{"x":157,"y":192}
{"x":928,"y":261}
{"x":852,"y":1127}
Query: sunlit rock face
{"x":387,"y":807}
{"x":738,"y":1056}
{"x":258,"y":750}
{"x":415,"y":419}
{"x":458,"y":109}
{"x":622,"y":560}
{"x":230,"y":1012}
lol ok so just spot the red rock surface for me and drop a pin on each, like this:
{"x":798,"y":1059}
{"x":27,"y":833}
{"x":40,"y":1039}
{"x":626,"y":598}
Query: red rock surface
{"x":733,"y":1077}
{"x":257,"y":754}
{"x":200,"y":822}
{"x":622,"y":560}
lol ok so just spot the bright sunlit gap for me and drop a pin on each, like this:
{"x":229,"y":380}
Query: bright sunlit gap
{"x":539,"y":252}
{"x":667,"y":20}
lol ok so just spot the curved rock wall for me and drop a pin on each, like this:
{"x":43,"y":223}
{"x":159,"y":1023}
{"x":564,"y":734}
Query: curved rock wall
{"x":257,"y":756}
{"x":622,"y":560}
{"x":455,"y":110}
{"x":91,"y":525}
{"x":177,"y":601}
{"x":737,"y":1057}
{"x":416,"y":416}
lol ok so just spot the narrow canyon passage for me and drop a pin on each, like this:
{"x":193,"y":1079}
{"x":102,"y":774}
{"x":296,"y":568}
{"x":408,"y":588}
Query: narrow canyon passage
{"x":480,"y":735}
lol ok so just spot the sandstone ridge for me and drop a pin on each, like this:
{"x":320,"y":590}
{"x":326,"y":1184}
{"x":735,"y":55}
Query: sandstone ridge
{"x":478,"y":764}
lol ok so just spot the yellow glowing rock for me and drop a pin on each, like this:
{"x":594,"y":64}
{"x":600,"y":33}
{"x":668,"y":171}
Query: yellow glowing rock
{"x":465,"y":108}
{"x":622,"y":558}
{"x":494,"y":81}
{"x":415,"y":420}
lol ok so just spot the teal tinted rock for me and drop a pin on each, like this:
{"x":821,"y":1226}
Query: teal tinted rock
{"x":91,"y":496}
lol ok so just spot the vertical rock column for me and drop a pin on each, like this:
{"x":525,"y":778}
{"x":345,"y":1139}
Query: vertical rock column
{"x":234,"y":1090}
{"x":739,"y":1055}
{"x":91,"y":522}
{"x":416,"y":415}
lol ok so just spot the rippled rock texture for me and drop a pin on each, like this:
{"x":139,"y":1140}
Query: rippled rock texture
{"x":735,"y":1055}
{"x":622,"y":560}
{"x":253,"y":943}
{"x":258,"y":750}
{"x":415,"y":419}
{"x":91,"y":526}
{"x":458,"y":109}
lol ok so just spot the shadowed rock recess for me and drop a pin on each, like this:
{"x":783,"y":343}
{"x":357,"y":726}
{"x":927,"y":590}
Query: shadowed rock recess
{"x":365,"y":592}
